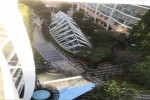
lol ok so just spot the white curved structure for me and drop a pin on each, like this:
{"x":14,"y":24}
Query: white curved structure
{"x":17,"y":71}
{"x":67,"y":33}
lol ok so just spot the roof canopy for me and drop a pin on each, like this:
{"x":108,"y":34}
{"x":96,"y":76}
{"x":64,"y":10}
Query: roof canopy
{"x":67,"y":33}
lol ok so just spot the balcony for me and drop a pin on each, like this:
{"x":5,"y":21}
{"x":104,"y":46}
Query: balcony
{"x":118,"y":19}
{"x":124,"y":22}
{"x":104,"y":12}
{"x":108,"y":5}
{"x":129,"y":12}
{"x":93,"y":6}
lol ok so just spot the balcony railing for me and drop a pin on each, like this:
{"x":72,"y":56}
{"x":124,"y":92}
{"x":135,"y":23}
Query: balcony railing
{"x":129,"y":12}
{"x":109,"y":5}
{"x":118,"y":19}
{"x":104,"y":12}
{"x":92,"y":6}
{"x":125,"y":22}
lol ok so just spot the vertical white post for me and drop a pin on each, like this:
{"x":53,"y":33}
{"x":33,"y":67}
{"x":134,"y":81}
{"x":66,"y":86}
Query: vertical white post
{"x":96,"y":12}
{"x":78,"y":7}
{"x":110,"y":16}
{"x":19,"y":38}
{"x":86,"y":7}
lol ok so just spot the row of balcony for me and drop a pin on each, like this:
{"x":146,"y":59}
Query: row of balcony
{"x":103,"y":12}
{"x":129,"y":12}
{"x":123,"y":21}
{"x":119,"y":8}
{"x":118,"y":19}
{"x":99,"y":10}
{"x":109,"y":5}
{"x":92,"y":6}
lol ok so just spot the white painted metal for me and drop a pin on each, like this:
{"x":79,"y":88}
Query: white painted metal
{"x":9,"y":91}
{"x":110,"y":17}
{"x":66,"y":32}
{"x":21,"y":46}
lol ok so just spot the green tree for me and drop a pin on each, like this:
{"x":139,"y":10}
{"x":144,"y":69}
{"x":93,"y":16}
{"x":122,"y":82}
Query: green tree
{"x":141,"y":33}
{"x":97,"y":54}
{"x":36,"y":5}
{"x":78,"y":15}
{"x":88,"y":26}
{"x":83,"y":50}
{"x":46,"y":15}
{"x":139,"y":73}
{"x":64,"y":7}
{"x":111,"y":90}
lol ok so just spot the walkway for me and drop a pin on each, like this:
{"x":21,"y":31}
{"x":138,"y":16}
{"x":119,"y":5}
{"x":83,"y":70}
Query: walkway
{"x":50,"y":53}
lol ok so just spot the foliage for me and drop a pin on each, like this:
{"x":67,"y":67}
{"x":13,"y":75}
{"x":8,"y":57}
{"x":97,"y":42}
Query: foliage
{"x":64,"y":7}
{"x":113,"y":91}
{"x":97,"y":54}
{"x":86,"y":25}
{"x":102,"y":44}
{"x":36,"y":5}
{"x":45,"y":31}
{"x":46,"y":15}
{"x":101,"y":36}
{"x":38,"y":58}
{"x":83,"y":50}
{"x":139,"y":73}
{"x":122,"y":39}
{"x":141,"y":33}
{"x":78,"y":15}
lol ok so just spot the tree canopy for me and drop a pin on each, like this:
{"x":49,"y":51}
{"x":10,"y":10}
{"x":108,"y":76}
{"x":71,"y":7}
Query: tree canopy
{"x":36,"y":5}
{"x":139,"y":73}
{"x":112,"y":90}
{"x":141,"y":33}
{"x":64,"y":7}
{"x":78,"y":15}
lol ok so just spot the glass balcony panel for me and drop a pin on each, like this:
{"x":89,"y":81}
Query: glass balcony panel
{"x":118,"y":19}
{"x":129,"y":24}
{"x":109,"y":5}
{"x":104,"y":12}
{"x":129,"y":12}
{"x":125,"y":22}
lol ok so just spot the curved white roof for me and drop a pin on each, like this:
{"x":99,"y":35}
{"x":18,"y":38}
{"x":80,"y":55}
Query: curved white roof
{"x":67,"y":33}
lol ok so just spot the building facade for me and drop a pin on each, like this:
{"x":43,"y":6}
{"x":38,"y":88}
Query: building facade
{"x":115,"y":17}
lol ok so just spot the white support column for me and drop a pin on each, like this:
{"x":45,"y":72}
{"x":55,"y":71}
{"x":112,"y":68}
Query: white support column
{"x":110,"y":16}
{"x":78,"y":7}
{"x":86,"y":7}
{"x":20,"y":41}
{"x":96,"y":12}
